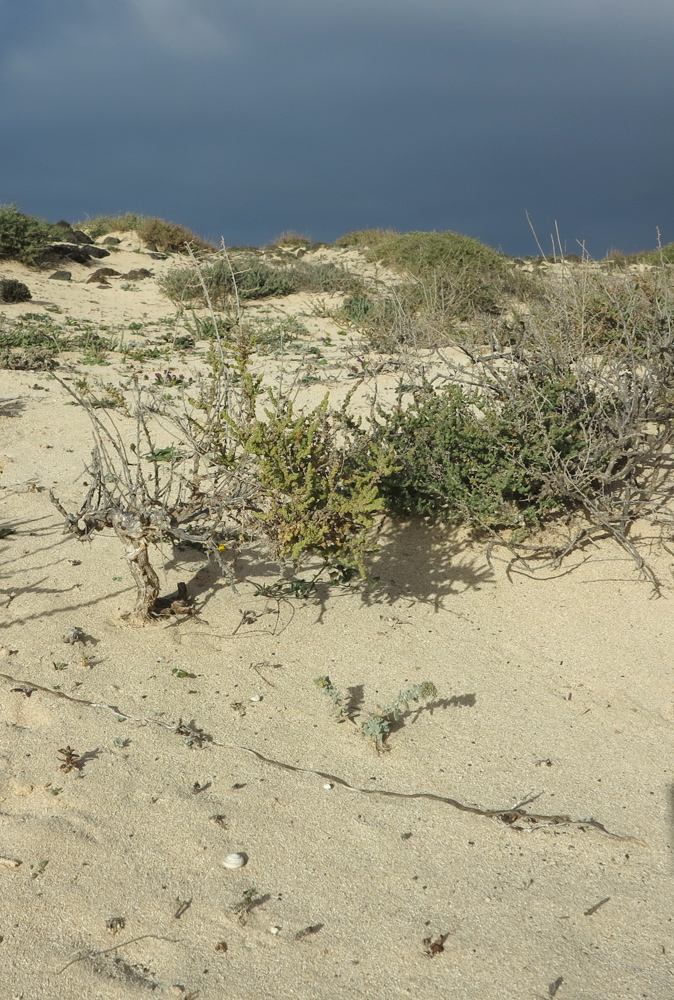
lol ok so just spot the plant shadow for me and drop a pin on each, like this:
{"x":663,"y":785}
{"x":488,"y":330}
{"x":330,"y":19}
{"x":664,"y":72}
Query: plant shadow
{"x":425,"y":562}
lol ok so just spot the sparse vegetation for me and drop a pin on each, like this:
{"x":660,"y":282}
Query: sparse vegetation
{"x":167,"y":236}
{"x":378,"y":724}
{"x":255,"y":278}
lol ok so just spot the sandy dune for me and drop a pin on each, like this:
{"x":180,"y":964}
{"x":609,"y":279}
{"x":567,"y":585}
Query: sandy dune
{"x":557,"y":691}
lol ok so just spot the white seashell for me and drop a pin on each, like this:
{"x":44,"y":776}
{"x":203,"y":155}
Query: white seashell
{"x":256,"y":697}
{"x":327,"y":786}
{"x":235,"y":861}
{"x":274,"y":930}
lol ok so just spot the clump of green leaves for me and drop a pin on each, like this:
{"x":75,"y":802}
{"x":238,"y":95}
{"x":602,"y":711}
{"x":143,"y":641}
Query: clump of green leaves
{"x":378,"y":724}
{"x":463,"y":457}
{"x":339,"y":704}
{"x":24,"y":237}
{"x":322,"y":497}
{"x":12,"y":290}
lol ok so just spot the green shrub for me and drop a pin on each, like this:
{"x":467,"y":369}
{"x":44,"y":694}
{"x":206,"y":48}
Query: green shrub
{"x":12,"y":290}
{"x":464,"y":457}
{"x":322,"y":497}
{"x":357,"y":308}
{"x":424,"y":253}
{"x":255,"y":279}
{"x":24,"y":237}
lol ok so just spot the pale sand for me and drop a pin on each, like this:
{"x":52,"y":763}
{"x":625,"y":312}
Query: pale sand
{"x":560,"y":686}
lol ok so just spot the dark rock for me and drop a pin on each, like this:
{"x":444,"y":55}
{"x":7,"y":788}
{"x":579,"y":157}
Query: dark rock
{"x":104,"y":272}
{"x":61,"y":276}
{"x":158,"y":256}
{"x":137,"y":274}
{"x":74,"y":252}
{"x":100,"y":280}
{"x":62,"y":224}
{"x":111,"y":241}
{"x":151,"y":246}
{"x":81,"y":237}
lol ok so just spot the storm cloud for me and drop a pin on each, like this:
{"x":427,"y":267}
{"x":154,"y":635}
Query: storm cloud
{"x":245,"y":119}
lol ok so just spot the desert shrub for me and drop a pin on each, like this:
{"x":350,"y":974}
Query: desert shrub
{"x":461,"y":458}
{"x":170,"y":236}
{"x":446,"y":281}
{"x":255,"y":279}
{"x":24,"y":237}
{"x":322,"y":497}
{"x":357,"y":307}
{"x":663,"y":255}
{"x":12,"y":290}
{"x":291,"y":239}
{"x":426,"y":253}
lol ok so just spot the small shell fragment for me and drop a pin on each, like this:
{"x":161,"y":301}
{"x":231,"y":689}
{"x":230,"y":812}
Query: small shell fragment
{"x":256,"y":697}
{"x":234,"y":861}
{"x":328,"y":785}
{"x":274,"y":929}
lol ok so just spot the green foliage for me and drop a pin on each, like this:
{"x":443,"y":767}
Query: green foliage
{"x":12,"y":290}
{"x":378,"y":726}
{"x":339,"y":705}
{"x":321,"y":497}
{"x":358,"y":307}
{"x":31,"y":330}
{"x":424,"y":253}
{"x":467,"y":457}
{"x":24,"y":237}
{"x":255,"y":279}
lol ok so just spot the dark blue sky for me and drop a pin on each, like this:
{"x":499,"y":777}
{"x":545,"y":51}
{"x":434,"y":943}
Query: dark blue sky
{"x":243,"y":118}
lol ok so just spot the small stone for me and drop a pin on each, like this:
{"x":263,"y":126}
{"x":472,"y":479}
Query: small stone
{"x":274,"y":930}
{"x":73,"y":635}
{"x":158,"y":256}
{"x":328,"y":785}
{"x":60,"y":276}
{"x":256,"y":697}
{"x":5,"y":651}
{"x":111,"y":241}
